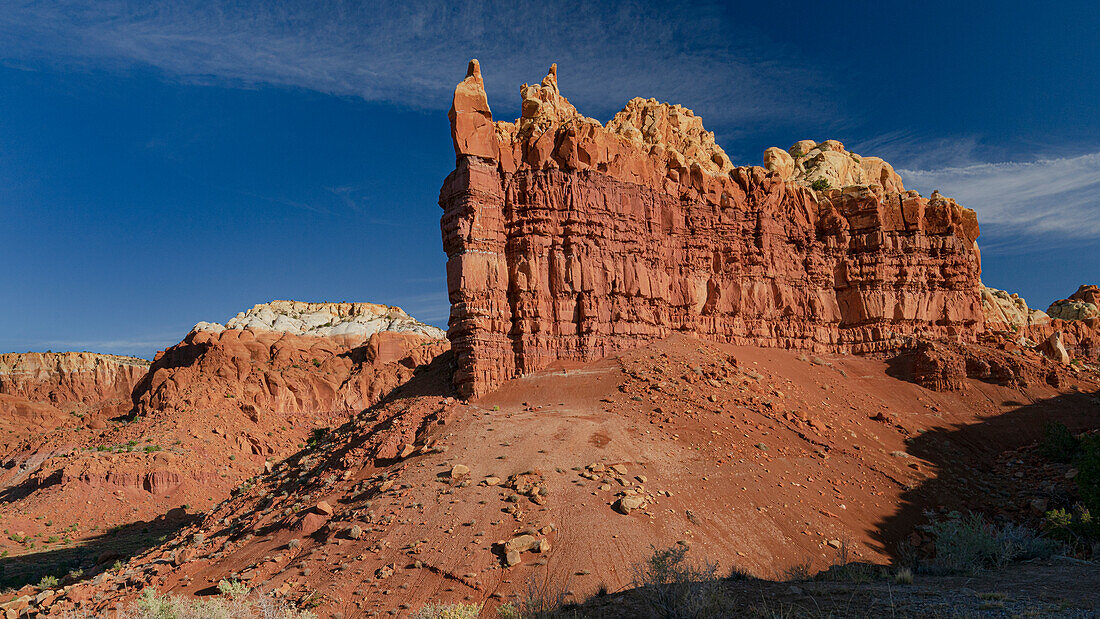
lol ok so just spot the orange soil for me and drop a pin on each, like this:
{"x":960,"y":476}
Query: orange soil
{"x":758,"y":458}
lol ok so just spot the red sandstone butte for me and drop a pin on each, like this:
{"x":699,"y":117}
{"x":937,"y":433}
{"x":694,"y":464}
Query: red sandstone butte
{"x":568,"y":240}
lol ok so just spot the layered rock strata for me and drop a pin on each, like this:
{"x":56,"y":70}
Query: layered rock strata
{"x":567,"y":240}
{"x":69,"y":377}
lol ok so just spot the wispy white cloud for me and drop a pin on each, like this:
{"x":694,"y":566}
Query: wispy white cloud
{"x":1035,"y":198}
{"x":414,"y":53}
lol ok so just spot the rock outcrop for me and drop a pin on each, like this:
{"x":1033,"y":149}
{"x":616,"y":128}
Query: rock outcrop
{"x":324,"y":319}
{"x":289,"y":357}
{"x":69,"y":377}
{"x":567,"y":240}
{"x":1081,"y":305}
{"x":1009,"y":312}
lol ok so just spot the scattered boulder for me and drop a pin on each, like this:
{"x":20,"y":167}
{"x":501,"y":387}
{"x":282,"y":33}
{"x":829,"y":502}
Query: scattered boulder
{"x":1054,"y":349}
{"x":625,"y":505}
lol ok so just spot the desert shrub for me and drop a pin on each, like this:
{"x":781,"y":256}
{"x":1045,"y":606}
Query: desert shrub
{"x":1088,"y":472}
{"x":820,"y":184}
{"x":233,"y":589}
{"x":1076,"y":527}
{"x":799,"y":572}
{"x":48,"y":582}
{"x":1058,"y":444}
{"x":673,"y":587}
{"x":151,"y":605}
{"x":968,"y":544}
{"x":449,"y":611}
{"x":317,"y":437}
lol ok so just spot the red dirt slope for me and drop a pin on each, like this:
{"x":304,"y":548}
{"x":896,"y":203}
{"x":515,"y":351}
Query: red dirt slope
{"x":210,"y":412}
{"x":757,"y":458}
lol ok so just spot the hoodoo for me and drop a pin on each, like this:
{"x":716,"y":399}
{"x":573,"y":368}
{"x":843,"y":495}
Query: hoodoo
{"x":568,"y":239}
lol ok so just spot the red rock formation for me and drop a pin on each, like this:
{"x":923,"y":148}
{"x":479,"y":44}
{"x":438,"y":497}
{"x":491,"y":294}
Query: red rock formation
{"x":41,"y":391}
{"x":69,"y":377}
{"x":259,"y":372}
{"x":567,"y":239}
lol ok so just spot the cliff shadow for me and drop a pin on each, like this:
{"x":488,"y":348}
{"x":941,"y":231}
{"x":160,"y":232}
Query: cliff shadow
{"x":969,"y":472}
{"x":82,"y":560}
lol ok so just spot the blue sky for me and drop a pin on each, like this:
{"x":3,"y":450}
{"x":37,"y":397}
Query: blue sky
{"x":163,"y":163}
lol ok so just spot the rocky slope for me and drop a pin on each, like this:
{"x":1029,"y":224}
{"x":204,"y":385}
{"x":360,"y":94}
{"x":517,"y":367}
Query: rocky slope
{"x":209,"y":413}
{"x":41,"y":391}
{"x":567,"y":240}
{"x":759,"y":459}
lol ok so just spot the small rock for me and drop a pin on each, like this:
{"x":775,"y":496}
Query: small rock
{"x":459,"y":471}
{"x":627,"y":504}
{"x":355,"y":532}
{"x":324,"y":508}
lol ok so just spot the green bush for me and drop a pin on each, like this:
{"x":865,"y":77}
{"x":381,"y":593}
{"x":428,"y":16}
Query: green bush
{"x":48,"y":582}
{"x":1088,"y":472}
{"x":671,"y":586}
{"x":1058,"y":444}
{"x":968,"y":544}
{"x":233,"y":589}
{"x":449,"y":611}
{"x":820,"y":184}
{"x":151,"y":605}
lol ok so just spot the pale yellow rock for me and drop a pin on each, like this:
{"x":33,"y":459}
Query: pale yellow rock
{"x":1008,"y":312}
{"x":675,"y":129}
{"x":779,"y":161}
{"x":829,"y":163}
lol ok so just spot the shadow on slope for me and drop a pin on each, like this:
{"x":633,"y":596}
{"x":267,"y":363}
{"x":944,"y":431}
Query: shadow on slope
{"x":92,"y":555}
{"x":966,"y":458}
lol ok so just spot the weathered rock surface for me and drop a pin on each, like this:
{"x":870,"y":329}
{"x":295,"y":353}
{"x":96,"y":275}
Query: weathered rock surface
{"x":69,"y":377}
{"x":1081,"y":305}
{"x":567,"y":240}
{"x":41,"y":391}
{"x":324,"y":319}
{"x":1070,"y":330}
{"x":257,"y":372}
{"x":1009,"y":312}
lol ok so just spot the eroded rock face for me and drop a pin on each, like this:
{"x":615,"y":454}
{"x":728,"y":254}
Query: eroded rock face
{"x":1009,"y":312}
{"x":288,"y":357}
{"x":1081,"y":305}
{"x":579,"y":239}
{"x":69,"y":377}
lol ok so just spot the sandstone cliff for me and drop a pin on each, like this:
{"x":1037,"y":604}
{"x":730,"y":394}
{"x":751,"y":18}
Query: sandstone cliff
{"x":567,"y":240}
{"x":69,"y":377}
